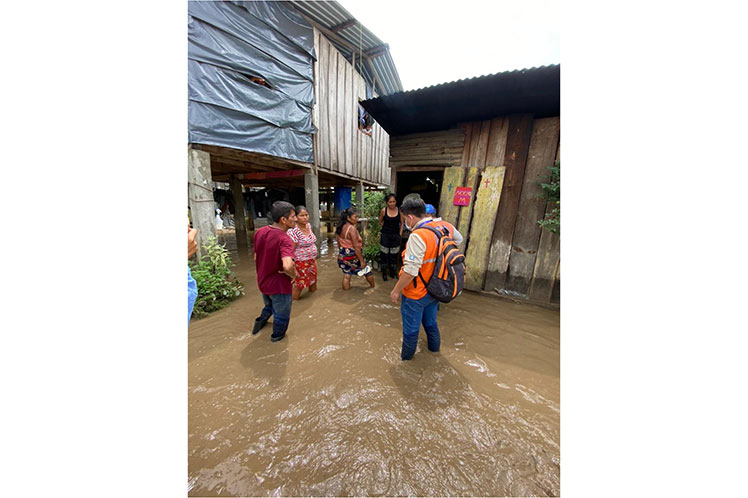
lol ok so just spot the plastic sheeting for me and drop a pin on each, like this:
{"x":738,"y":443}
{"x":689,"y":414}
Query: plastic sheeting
{"x":227,"y":43}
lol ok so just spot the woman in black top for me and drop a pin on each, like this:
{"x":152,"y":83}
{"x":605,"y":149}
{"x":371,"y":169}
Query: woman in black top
{"x":392,"y":229}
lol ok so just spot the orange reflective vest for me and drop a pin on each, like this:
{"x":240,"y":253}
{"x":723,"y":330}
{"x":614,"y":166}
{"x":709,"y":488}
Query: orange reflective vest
{"x":417,"y":289}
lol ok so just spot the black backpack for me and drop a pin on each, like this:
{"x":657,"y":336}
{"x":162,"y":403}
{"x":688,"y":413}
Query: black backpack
{"x":448,"y":279}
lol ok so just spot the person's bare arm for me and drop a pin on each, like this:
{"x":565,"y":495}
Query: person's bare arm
{"x":289,"y":268}
{"x":381,"y":215}
{"x":191,"y":243}
{"x":402,"y":224}
{"x":356,"y":245}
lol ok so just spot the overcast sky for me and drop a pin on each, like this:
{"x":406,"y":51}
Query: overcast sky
{"x":436,"y":42}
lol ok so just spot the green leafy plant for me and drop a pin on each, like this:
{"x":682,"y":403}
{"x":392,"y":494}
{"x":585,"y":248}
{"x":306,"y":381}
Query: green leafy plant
{"x":216,"y":284}
{"x":372,"y":205}
{"x":552,"y":194}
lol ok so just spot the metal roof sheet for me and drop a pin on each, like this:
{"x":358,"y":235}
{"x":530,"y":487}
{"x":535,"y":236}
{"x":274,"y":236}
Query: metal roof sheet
{"x":330,"y":14}
{"x":439,"y":107}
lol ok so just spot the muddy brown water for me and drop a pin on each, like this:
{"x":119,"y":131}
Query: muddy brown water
{"x":331,"y":410}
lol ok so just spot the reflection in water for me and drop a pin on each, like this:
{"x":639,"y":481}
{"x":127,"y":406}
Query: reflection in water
{"x":332,"y":410}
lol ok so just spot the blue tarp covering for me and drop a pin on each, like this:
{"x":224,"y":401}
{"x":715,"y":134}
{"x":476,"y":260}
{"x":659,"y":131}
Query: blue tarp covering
{"x":229,"y":42}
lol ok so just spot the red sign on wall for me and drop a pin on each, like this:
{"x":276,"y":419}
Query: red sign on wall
{"x":462,"y":196}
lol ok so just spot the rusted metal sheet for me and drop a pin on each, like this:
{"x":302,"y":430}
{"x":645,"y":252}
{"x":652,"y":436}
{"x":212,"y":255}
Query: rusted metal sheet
{"x":490,"y":190}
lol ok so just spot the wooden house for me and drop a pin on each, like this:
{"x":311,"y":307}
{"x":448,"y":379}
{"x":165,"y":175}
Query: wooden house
{"x":495,"y":135}
{"x":274,"y":92}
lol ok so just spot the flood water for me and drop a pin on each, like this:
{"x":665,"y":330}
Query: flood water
{"x":331,"y":410}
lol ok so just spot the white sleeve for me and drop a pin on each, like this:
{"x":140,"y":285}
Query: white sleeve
{"x":457,"y":237}
{"x":414,"y":252}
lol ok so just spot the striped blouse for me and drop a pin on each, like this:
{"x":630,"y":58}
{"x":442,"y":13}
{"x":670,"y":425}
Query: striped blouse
{"x":306,"y":245}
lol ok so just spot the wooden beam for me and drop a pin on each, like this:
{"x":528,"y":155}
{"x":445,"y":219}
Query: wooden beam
{"x":242,"y":244}
{"x":377,"y":51}
{"x":418,"y":168}
{"x":343,"y":25}
{"x":377,"y":79}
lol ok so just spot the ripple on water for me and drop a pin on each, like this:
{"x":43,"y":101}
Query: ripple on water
{"x":324,"y":351}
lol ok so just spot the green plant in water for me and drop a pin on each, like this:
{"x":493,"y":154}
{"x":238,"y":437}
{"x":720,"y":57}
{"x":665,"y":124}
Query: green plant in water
{"x":372,"y":205}
{"x":552,"y":194}
{"x":216,"y":284}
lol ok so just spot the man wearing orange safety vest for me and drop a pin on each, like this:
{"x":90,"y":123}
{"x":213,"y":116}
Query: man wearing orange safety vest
{"x":418,"y":307}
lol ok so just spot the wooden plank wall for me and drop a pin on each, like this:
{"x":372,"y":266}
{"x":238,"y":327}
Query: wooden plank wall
{"x":487,"y":200}
{"x":438,"y":148}
{"x":505,"y":246}
{"x":339,"y":145}
{"x":542,"y":154}
{"x":546,"y":271}
{"x":453,"y":177}
{"x":515,"y":158}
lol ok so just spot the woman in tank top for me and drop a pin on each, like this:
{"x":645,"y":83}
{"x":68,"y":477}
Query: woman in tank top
{"x":349,"y":241}
{"x":392,"y":230}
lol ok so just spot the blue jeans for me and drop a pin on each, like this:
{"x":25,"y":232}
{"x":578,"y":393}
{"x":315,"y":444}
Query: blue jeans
{"x":416,"y":312}
{"x":191,"y":294}
{"x":279,"y":307}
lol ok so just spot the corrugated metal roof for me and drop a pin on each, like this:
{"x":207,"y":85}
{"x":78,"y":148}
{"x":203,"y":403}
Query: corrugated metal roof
{"x":535,"y":90}
{"x":330,"y":14}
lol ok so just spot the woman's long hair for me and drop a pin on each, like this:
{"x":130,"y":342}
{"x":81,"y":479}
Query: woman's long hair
{"x":344,"y":218}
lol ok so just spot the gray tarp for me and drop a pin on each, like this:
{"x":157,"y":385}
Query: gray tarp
{"x":227,"y":43}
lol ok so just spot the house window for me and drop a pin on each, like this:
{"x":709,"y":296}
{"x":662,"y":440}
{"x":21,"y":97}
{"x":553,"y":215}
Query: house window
{"x":365,"y":121}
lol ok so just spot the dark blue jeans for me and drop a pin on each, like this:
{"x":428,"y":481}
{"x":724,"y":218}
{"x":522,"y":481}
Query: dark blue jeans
{"x":416,"y":312}
{"x":279,"y":307}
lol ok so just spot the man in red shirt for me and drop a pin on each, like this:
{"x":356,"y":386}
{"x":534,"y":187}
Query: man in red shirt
{"x":274,"y":251}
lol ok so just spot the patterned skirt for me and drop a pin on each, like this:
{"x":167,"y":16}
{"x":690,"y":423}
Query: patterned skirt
{"x":306,"y":273}
{"x":349,"y":263}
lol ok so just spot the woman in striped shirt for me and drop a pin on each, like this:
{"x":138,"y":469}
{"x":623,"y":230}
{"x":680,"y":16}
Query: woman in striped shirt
{"x":305,"y":252}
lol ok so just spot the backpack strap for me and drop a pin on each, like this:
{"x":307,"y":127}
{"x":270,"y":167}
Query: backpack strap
{"x":438,"y":235}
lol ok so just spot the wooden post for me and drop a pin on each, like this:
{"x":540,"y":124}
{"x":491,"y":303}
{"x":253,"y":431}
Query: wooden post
{"x":200,"y":195}
{"x":311,"y":198}
{"x":518,"y":143}
{"x":242,"y":245}
{"x":360,"y":197}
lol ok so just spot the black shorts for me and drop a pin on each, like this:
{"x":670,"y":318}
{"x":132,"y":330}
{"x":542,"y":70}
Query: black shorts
{"x":389,"y":242}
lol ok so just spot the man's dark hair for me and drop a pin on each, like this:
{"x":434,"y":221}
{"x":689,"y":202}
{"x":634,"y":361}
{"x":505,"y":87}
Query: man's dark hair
{"x":414,"y":206}
{"x":280,"y":209}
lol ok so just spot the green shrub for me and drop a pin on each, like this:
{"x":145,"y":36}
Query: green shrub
{"x":216,"y":284}
{"x":373,"y":204}
{"x":552,"y":194}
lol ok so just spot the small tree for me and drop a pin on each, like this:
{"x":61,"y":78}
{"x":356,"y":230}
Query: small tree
{"x":552,"y":194}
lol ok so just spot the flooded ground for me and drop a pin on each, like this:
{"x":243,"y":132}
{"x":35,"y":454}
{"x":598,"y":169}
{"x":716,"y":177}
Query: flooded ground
{"x":331,"y":410}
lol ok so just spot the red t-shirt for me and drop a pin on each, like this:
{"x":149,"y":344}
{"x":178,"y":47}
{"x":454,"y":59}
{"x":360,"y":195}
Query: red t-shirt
{"x":272,"y":244}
